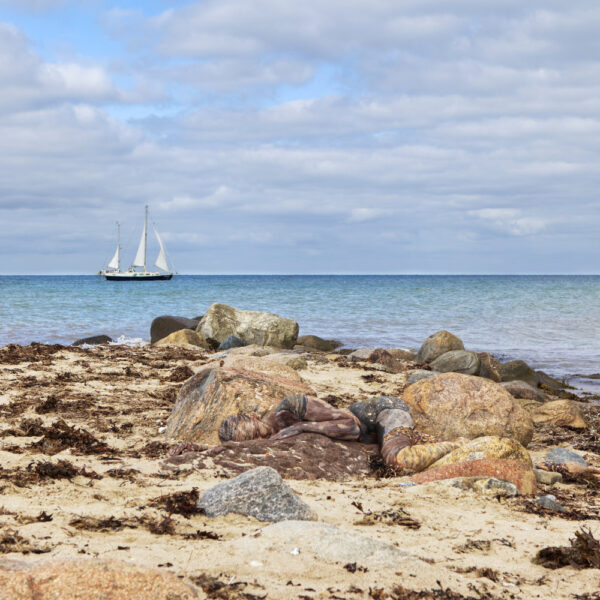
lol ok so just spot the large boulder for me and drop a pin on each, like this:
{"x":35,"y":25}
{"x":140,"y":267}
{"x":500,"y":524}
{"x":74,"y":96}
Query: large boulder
{"x":184,"y":338}
{"x":487,"y":447}
{"x":489,"y":366}
{"x":419,"y":374}
{"x":317,"y":343}
{"x":164,"y":325}
{"x":91,"y":579}
{"x":212,"y":394}
{"x":437,"y":344}
{"x":518,"y":369}
{"x":233,"y":341}
{"x":457,"y":361}
{"x":258,"y":493}
{"x":520,"y":389}
{"x":452,"y":405}
{"x":252,"y":327}
{"x":564,"y":413}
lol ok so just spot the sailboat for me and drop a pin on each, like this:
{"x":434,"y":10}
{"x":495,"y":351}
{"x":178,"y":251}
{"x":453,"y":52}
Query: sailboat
{"x":114,"y":273}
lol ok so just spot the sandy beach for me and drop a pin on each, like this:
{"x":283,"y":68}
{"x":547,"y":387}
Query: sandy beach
{"x":84,"y":476}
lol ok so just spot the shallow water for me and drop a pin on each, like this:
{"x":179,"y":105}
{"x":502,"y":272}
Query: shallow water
{"x":552,"y":322}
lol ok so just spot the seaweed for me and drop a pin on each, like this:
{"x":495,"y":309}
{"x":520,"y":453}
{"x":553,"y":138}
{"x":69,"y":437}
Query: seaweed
{"x":181,"y":503}
{"x":218,"y":590}
{"x":401,"y":593}
{"x":180,"y":374}
{"x":386,"y":517}
{"x":60,"y":436}
{"x":583,"y":553}
{"x":12,"y":541}
{"x":97,"y":524}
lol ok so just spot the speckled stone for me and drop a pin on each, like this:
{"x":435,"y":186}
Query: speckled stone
{"x":549,"y":503}
{"x":437,"y":344}
{"x":91,"y":580}
{"x":509,"y":470}
{"x":420,"y":374}
{"x":259,"y":493}
{"x":457,"y":361}
{"x":564,"y":455}
{"x":547,"y":477}
{"x":487,"y":447}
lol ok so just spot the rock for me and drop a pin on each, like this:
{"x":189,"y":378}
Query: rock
{"x":437,"y":344}
{"x":403,"y":354}
{"x":420,"y":374}
{"x":489,"y":366}
{"x":510,"y":470}
{"x":275,"y":363}
{"x":330,"y":544}
{"x":264,"y":329}
{"x":212,"y":394}
{"x":303,"y":456}
{"x":520,"y":389}
{"x":518,"y":369}
{"x":490,"y":486}
{"x":91,"y":579}
{"x":233,"y":341}
{"x":259,"y":493}
{"x":377,"y":356}
{"x":93,"y":340}
{"x":564,"y":455}
{"x":317,"y":343}
{"x":452,"y":405}
{"x":457,"y":361}
{"x":362,"y":354}
{"x":549,"y":383}
{"x":490,"y":447}
{"x":183,"y":338}
{"x":549,"y":502}
{"x":547,"y":477}
{"x":558,"y":412}
{"x":367,"y":410}
{"x":162,"y":326}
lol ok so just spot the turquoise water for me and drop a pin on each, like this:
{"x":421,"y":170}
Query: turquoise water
{"x":553,"y":322}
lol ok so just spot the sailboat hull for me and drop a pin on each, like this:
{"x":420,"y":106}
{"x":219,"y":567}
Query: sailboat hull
{"x":138,"y":277}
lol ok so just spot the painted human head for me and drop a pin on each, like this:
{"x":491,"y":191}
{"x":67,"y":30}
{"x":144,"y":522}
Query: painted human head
{"x":243,"y":427}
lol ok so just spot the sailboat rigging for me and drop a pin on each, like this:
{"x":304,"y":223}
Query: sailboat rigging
{"x":114,"y":273}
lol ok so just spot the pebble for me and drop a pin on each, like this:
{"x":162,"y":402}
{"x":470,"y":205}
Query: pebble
{"x":549,"y":502}
{"x":547,"y":477}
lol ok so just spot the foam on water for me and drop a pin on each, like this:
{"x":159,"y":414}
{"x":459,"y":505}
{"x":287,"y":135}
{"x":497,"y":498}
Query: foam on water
{"x":552,"y":322}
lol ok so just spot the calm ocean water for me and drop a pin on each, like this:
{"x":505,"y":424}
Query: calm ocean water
{"x":553,"y":322}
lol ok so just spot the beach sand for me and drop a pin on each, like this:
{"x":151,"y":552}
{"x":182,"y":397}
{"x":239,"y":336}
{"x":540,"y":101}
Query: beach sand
{"x":106,"y":500}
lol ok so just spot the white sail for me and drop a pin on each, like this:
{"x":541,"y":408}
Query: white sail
{"x":140,"y":257}
{"x":161,"y":260}
{"x":115,"y":262}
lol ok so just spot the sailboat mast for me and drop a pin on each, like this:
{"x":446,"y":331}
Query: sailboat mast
{"x":118,"y":246}
{"x":145,"y":236}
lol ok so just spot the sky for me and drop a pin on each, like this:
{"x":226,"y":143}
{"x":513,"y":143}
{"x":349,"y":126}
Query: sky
{"x":322,"y":136}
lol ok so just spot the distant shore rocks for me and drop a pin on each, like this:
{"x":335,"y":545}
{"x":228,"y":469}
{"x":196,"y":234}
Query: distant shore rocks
{"x":520,"y":370}
{"x":437,"y":344}
{"x":265,"y":329}
{"x":453,"y":405}
{"x":522,"y":390}
{"x":93,"y":340}
{"x":316,"y":343}
{"x":164,"y":325}
{"x":184,"y":338}
{"x":457,"y":361}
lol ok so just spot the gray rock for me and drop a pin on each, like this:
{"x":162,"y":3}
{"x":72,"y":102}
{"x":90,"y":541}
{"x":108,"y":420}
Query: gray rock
{"x":521,"y":389}
{"x":518,"y":369}
{"x":496,"y":487}
{"x":233,"y":341}
{"x":549,"y":502}
{"x":164,"y":325}
{"x":259,"y":493}
{"x":457,"y":361}
{"x":360,"y":354}
{"x":489,"y":366}
{"x":316,"y":343}
{"x":93,"y":340}
{"x":420,"y":374}
{"x":331,"y":544}
{"x":437,"y":344}
{"x":549,"y":382}
{"x":564,"y":455}
{"x":547,"y":477}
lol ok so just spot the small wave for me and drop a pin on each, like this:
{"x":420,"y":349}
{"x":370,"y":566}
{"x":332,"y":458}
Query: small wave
{"x":123,"y":340}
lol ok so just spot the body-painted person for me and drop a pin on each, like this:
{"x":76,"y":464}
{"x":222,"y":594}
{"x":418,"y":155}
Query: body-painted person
{"x":400,"y":445}
{"x":296,"y":414}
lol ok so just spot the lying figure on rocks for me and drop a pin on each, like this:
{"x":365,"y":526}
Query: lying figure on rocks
{"x":401,"y":446}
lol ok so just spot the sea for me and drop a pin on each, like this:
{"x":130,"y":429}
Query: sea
{"x":550,"y":321}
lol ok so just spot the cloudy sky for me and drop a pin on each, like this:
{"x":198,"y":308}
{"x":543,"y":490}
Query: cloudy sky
{"x":322,"y":136}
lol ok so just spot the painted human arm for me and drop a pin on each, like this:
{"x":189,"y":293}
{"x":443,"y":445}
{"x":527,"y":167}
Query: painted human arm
{"x":340,"y":429}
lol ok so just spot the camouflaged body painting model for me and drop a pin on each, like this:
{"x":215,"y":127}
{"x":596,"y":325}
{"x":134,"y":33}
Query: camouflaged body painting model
{"x":389,"y":418}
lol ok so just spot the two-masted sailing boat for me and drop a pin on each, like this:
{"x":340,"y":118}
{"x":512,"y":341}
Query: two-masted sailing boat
{"x":114,"y":273}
